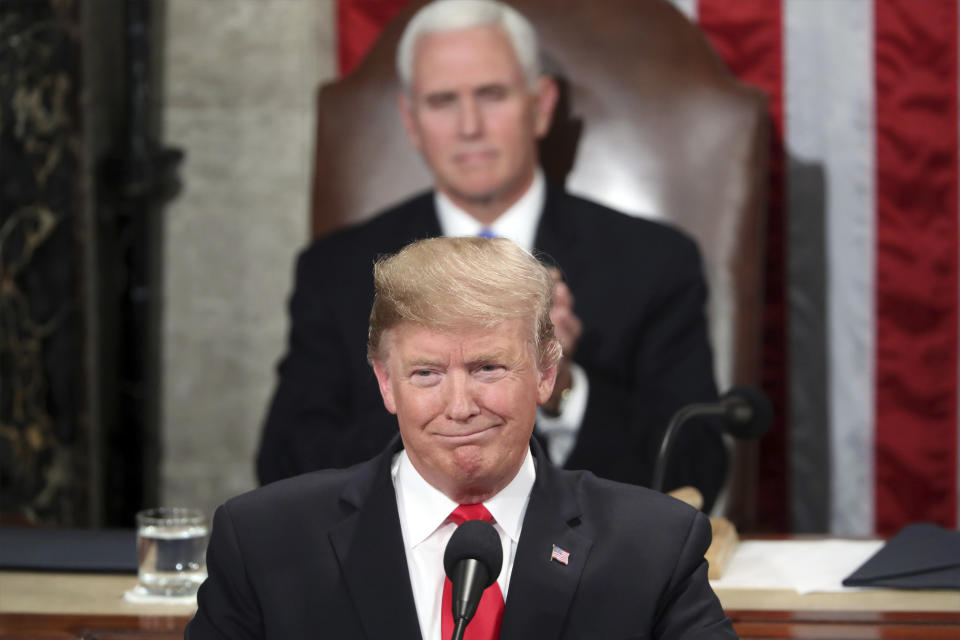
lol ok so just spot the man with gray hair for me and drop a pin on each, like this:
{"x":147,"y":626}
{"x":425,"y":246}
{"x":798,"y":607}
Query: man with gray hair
{"x":463,"y":350}
{"x":475,"y":103}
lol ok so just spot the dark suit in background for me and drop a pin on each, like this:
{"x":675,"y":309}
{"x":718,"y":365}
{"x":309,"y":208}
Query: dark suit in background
{"x":640,"y":294}
{"x":321,"y":555}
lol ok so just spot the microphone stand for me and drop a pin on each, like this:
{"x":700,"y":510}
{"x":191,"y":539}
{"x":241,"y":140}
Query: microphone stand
{"x":459,"y":629}
{"x":666,"y":444}
{"x":743,"y":412}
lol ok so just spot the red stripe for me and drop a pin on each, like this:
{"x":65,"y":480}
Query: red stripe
{"x":359,"y":22}
{"x":748,"y":36}
{"x":916,"y":297}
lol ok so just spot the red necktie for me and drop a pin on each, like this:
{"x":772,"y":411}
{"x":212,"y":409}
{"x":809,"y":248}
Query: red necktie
{"x":486,"y":623}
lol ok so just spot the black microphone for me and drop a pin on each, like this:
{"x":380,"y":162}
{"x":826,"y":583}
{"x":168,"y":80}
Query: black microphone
{"x":472,"y":561}
{"x":744,"y":412}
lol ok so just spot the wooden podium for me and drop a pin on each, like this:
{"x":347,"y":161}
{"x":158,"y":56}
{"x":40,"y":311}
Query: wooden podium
{"x":725,"y":536}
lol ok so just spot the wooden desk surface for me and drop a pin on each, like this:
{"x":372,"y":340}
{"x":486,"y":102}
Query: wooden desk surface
{"x":91,"y":606}
{"x":886,"y":600}
{"x":25,"y":592}
{"x":75,"y":593}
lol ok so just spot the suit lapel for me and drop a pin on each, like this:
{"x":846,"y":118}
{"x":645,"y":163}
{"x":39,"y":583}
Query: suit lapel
{"x":424,"y":223}
{"x":369,"y":546}
{"x":541,"y":589}
{"x":432,"y":219}
{"x":556,"y":240}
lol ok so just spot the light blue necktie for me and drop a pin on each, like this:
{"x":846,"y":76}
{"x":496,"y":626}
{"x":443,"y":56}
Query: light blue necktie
{"x":487,"y":233}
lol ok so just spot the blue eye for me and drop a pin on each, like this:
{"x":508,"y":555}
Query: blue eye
{"x":490,"y":371}
{"x":424,"y":377}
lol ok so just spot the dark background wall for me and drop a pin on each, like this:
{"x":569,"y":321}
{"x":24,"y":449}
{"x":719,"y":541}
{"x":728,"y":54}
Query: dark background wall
{"x":142,"y":299}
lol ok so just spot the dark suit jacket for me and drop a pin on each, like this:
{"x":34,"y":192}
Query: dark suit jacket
{"x":321,"y":556}
{"x":638,"y":289}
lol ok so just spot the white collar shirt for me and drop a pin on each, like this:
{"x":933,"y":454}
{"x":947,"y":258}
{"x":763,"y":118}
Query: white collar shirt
{"x":519,"y":222}
{"x":426,"y":529}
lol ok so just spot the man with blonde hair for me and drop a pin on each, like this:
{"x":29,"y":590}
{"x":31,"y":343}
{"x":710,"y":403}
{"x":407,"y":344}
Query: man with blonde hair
{"x":463,"y":350}
{"x":474,"y":103}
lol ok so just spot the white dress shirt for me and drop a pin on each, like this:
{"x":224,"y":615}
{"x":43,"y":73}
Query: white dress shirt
{"x":519,"y":223}
{"x":426,"y":530}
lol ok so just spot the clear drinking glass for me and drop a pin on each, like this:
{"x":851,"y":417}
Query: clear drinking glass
{"x":171,"y":546}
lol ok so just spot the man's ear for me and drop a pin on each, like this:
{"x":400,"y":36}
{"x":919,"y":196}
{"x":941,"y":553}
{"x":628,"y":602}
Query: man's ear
{"x":409,"y":118}
{"x":381,"y":369}
{"x":548,"y":378}
{"x":547,"y":95}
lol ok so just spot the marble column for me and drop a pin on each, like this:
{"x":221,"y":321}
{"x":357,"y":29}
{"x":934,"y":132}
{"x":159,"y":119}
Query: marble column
{"x":240,"y":85}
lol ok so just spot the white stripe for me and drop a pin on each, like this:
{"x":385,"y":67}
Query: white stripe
{"x":688,"y":7}
{"x":829,"y":121}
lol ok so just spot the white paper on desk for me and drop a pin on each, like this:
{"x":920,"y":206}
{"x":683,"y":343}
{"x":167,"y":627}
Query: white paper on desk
{"x":804,"y":566}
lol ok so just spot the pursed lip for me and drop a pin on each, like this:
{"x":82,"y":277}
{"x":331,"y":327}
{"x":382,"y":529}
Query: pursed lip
{"x":466,"y":436}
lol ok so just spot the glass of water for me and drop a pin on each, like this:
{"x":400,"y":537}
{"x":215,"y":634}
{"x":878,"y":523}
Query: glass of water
{"x":171,"y":545}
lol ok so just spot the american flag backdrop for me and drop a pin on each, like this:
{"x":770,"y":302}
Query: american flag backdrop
{"x":861,"y":323}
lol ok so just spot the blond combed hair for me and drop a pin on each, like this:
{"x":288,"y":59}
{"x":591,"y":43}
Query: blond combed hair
{"x":454,"y":283}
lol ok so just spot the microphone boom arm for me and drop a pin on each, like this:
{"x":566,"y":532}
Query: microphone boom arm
{"x":704,"y":409}
{"x":742,"y":412}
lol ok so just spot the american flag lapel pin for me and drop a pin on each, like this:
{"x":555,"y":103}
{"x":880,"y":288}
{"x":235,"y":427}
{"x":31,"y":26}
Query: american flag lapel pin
{"x":560,"y":555}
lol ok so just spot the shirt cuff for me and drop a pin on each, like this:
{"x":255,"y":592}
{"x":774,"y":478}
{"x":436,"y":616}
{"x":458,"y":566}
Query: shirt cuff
{"x":561,"y":431}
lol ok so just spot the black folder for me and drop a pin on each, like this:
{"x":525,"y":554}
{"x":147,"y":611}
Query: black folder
{"x":920,"y":556}
{"x":27,"y":549}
